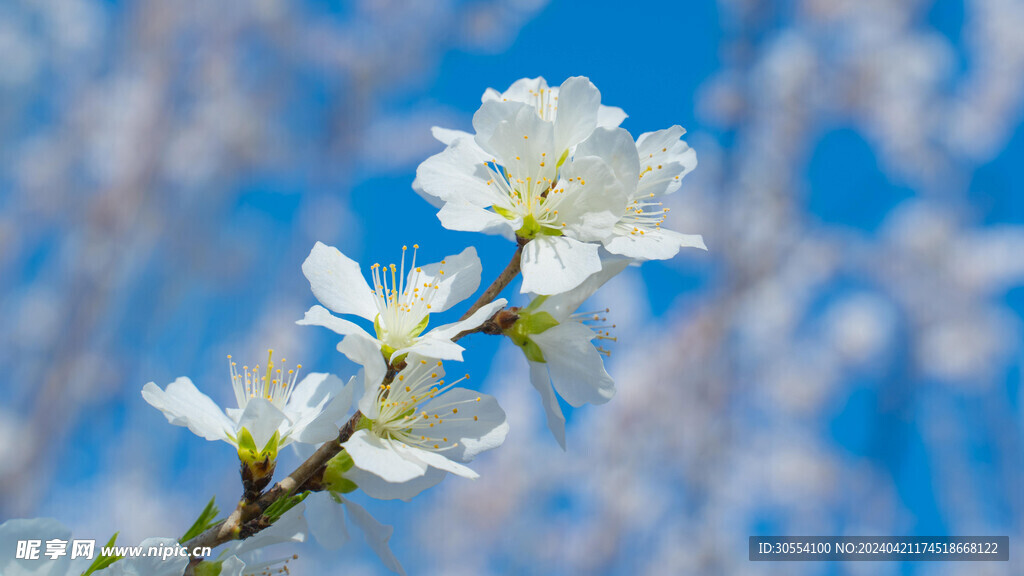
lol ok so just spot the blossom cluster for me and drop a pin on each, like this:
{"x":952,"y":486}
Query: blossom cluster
{"x":550,"y":169}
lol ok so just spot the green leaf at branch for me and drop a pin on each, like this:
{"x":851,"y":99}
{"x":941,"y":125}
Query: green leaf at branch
{"x":279,"y":507}
{"x":205,"y":521}
{"x":101,"y":561}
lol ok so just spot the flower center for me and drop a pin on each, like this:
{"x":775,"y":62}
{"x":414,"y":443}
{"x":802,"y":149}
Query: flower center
{"x":403,"y":308}
{"x":273,"y":384}
{"x":402,"y":418}
{"x":533,"y":194}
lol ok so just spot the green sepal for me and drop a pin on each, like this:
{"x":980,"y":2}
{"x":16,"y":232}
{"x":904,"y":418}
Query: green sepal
{"x":247,"y":451}
{"x":364,"y":424}
{"x":535,"y":323}
{"x":205,"y":521}
{"x":527,"y":325}
{"x":270,"y":450}
{"x":208,"y":568}
{"x":334,"y":474}
{"x":533,"y":305}
{"x":102,"y":562}
{"x":282,"y":505}
{"x":249,"y":454}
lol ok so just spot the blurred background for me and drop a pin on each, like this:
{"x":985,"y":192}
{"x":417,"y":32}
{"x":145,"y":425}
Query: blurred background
{"x":846,"y":358}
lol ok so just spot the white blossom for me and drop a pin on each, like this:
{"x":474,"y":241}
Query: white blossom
{"x":398,"y":305}
{"x":559,"y":347}
{"x":269,"y":403}
{"x":540,"y":169}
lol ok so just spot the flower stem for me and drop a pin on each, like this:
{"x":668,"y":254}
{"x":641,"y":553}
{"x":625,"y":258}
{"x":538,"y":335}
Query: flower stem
{"x":499,"y":284}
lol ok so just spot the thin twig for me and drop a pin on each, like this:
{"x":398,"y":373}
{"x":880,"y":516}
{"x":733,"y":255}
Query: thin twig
{"x":499,"y":284}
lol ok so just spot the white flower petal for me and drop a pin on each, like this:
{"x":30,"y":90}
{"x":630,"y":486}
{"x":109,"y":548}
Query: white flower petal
{"x":320,"y":316}
{"x":578,"y":103}
{"x":436,"y":460}
{"x":377,"y":535}
{"x":615,"y":147}
{"x":458,"y":174}
{"x":184,"y":405}
{"x":376,"y":487}
{"x":561,"y":306}
{"x":489,"y":116}
{"x":525,"y":146}
{"x":657,"y":244}
{"x":315,"y":406}
{"x":326,"y":520}
{"x":261,"y":419}
{"x":446,"y":135}
{"x":576,"y":367}
{"x":449,"y":331}
{"x":478,"y":425}
{"x":525,"y":90}
{"x":593,"y":201}
{"x":381,"y":458}
{"x":457,"y":277}
{"x":610,"y":116}
{"x":431,"y":347}
{"x":365,"y":351}
{"x":556,"y":420}
{"x":555,"y":264}
{"x":664,"y":160}
{"x":42,"y":529}
{"x":464,"y":217}
{"x":337,"y":282}
{"x":233,"y":566}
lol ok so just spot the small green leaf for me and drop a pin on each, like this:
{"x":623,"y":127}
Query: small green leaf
{"x":102,"y":562}
{"x":205,"y":521}
{"x":282,"y":505}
